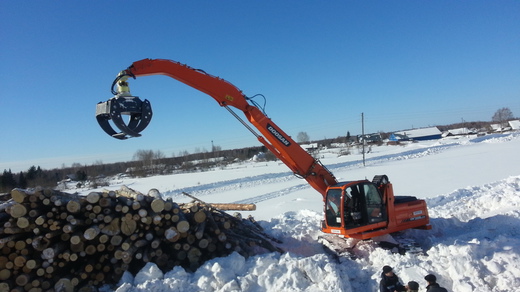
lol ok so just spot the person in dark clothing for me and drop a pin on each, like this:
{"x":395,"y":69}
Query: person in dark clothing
{"x":389,"y":281}
{"x":432,"y":284}
{"x":412,"y":286}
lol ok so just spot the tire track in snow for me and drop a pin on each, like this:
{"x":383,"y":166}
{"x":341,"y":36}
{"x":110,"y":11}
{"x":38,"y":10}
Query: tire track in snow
{"x":352,"y":164}
{"x":238,"y":183}
{"x":272,"y":195}
{"x":269,"y":178}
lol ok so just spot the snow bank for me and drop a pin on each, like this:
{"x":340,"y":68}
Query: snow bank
{"x":268,"y":272}
{"x":474,"y":246}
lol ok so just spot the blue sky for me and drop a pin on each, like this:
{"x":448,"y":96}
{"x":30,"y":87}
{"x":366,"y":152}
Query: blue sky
{"x":320,"y":64}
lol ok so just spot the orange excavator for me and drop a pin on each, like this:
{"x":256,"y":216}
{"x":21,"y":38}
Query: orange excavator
{"x":359,"y":209}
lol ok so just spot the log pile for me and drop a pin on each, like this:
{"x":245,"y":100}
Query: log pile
{"x":55,"y":241}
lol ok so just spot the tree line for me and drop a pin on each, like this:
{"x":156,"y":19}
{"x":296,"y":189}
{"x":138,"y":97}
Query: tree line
{"x":144,"y":163}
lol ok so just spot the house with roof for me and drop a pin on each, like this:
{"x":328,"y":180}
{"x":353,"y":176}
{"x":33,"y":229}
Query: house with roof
{"x":371,"y":138}
{"x":511,"y":125}
{"x":459,"y":132}
{"x":515,"y":125}
{"x":430,"y":133}
{"x":496,"y":127}
{"x":395,"y":137}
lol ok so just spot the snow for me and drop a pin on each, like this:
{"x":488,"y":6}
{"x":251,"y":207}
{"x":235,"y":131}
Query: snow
{"x":471,"y":185}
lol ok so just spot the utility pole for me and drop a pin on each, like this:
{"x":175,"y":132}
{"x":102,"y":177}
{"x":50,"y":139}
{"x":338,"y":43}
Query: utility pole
{"x":363,"y":135}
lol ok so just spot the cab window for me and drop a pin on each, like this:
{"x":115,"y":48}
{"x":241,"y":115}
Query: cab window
{"x":374,"y":204}
{"x":332,"y":208}
{"x":363,"y":205}
{"x":354,"y":205}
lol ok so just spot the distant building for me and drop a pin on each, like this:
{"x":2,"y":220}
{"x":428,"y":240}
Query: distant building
{"x":515,"y":125}
{"x":370,"y":138}
{"x":395,"y":137}
{"x":496,"y":127}
{"x":310,"y":147}
{"x":459,"y":132}
{"x":512,"y":125}
{"x":430,"y":133}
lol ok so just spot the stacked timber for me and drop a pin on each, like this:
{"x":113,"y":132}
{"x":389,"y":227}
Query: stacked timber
{"x":55,"y":241}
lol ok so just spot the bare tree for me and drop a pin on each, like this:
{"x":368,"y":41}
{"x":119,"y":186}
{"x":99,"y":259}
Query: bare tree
{"x":158,"y":155}
{"x":149,"y":159}
{"x":502,"y":115}
{"x":303,"y":137}
{"x":146,"y":157}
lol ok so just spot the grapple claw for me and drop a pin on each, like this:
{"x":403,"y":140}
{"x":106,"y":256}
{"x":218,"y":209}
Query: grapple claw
{"x":140,"y":113}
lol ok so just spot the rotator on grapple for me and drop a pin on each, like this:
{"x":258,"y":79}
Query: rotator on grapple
{"x":359,"y":209}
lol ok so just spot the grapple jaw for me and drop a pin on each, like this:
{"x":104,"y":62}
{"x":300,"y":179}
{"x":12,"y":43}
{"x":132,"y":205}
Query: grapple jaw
{"x":139,"y":112}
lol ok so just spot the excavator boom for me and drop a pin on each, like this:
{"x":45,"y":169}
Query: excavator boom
{"x":227,"y":95}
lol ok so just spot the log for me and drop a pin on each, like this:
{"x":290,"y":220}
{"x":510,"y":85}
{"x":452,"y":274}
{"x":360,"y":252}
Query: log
{"x":91,"y":232}
{"x":172,"y":234}
{"x":199,"y":216}
{"x":116,"y":240}
{"x":22,"y":280}
{"x":106,"y":202}
{"x":64,"y":285}
{"x":17,"y":210}
{"x":200,"y":230}
{"x":183,"y":226}
{"x":73,"y":206}
{"x":203,"y":243}
{"x":93,"y":197}
{"x":20,"y":245}
{"x":34,"y":213}
{"x":22,"y":222}
{"x":18,"y":195}
{"x":233,"y":207}
{"x":4,"y":286}
{"x":113,"y":228}
{"x":130,"y":193}
{"x":40,"y":243}
{"x":128,"y":227}
{"x":224,"y":206}
{"x":157,"y":205}
{"x":5,"y":206}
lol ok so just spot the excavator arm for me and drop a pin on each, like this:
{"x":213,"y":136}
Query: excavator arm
{"x":227,"y":95}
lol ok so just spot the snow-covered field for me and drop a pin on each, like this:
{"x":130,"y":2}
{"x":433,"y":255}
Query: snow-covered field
{"x":471,"y":185}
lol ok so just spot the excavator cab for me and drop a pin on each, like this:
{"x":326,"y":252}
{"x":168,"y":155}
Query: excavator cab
{"x":364,"y":209}
{"x":360,"y":204}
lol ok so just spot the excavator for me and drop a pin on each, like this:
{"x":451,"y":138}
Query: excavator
{"x":359,"y":209}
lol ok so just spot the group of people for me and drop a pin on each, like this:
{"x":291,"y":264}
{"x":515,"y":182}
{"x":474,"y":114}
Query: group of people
{"x":390,"y":283}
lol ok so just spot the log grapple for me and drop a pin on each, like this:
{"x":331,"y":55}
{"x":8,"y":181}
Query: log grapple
{"x":139,"y":112}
